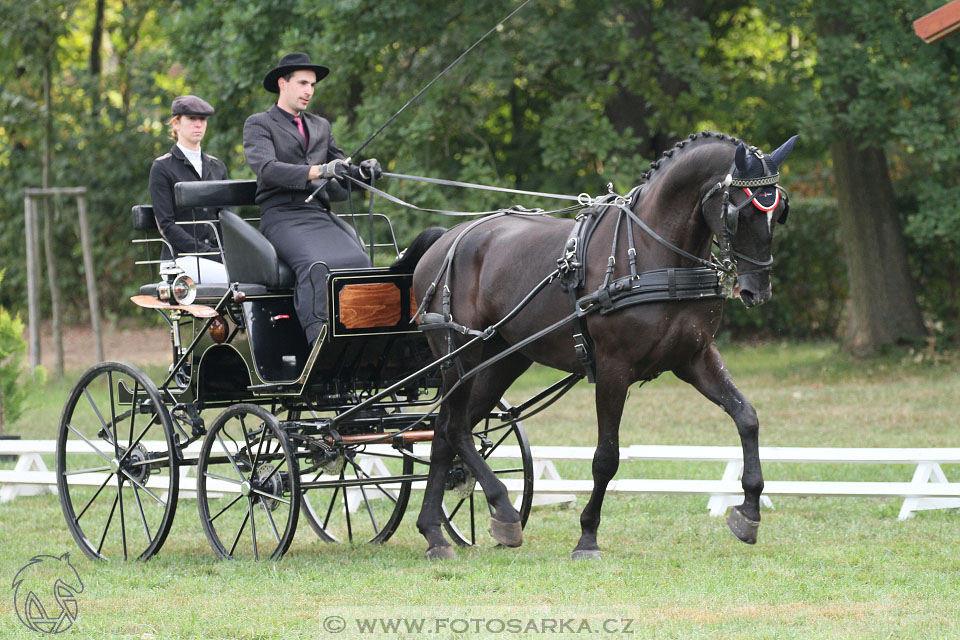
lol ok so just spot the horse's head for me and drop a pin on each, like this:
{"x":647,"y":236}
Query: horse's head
{"x":741,"y":211}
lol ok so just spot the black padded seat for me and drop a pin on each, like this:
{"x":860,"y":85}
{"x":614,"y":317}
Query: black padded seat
{"x":215,"y":193}
{"x":143,"y":218}
{"x":250,"y":257}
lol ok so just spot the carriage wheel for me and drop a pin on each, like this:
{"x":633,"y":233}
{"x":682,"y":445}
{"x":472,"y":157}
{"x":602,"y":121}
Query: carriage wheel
{"x":503,"y":443}
{"x":248,"y":485}
{"x":117,"y":464}
{"x":363,"y":501}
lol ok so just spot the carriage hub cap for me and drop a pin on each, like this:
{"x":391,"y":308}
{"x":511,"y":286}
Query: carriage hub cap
{"x":114,"y":466}
{"x":136,"y":467}
{"x":269,"y":481}
{"x":460,"y":480}
{"x":245,"y":488}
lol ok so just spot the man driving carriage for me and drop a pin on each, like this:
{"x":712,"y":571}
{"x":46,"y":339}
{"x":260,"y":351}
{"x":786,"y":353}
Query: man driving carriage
{"x":291,"y":152}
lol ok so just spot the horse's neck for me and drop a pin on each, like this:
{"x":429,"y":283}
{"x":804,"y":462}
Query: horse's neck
{"x":678,"y":220}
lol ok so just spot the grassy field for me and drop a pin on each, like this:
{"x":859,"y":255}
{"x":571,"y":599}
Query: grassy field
{"x":822,"y":567}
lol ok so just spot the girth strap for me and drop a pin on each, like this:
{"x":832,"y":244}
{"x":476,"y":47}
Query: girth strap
{"x":659,"y":285}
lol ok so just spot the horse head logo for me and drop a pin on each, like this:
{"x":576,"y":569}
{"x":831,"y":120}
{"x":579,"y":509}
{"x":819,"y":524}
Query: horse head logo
{"x":45,"y":593}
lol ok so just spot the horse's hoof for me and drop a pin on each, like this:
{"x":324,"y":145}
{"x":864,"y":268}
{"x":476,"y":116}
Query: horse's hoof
{"x":743,"y":527}
{"x":509,"y":534}
{"x":586,"y":554}
{"x":440,"y":552}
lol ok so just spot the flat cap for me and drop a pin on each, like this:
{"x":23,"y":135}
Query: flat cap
{"x":191,"y":106}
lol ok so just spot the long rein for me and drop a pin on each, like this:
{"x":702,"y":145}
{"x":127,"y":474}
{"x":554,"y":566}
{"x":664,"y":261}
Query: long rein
{"x":588,"y":305}
{"x":592,"y":302}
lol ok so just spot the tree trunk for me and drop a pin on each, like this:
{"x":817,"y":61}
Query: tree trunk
{"x":96,"y":61}
{"x":884,"y":308}
{"x":48,"y":217}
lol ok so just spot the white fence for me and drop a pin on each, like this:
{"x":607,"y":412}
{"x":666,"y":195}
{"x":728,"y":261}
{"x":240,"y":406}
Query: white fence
{"x":927,"y":489}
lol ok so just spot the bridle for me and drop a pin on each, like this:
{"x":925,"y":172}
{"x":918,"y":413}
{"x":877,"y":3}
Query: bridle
{"x":730,"y":213}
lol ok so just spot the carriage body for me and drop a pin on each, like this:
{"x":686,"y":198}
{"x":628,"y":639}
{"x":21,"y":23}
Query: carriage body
{"x":250,"y":414}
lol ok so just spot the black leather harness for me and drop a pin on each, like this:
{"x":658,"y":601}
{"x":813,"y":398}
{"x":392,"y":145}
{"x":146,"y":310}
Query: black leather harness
{"x":659,"y":285}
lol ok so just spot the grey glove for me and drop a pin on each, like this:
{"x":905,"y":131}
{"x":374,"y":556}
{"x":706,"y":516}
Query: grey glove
{"x":334,"y":169}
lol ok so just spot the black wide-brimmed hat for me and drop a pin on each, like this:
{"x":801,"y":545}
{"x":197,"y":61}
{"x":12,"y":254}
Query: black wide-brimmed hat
{"x":191,"y":106}
{"x":288,"y":64}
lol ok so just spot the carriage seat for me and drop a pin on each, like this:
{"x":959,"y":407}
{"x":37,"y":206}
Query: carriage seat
{"x":143,"y":218}
{"x":250,"y":257}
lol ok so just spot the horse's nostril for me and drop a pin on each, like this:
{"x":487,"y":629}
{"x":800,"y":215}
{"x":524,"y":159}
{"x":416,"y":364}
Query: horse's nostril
{"x":748,"y":298}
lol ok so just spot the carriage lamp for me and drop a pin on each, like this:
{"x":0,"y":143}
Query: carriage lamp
{"x":184,"y":289}
{"x":218,"y":330}
{"x":163,"y":291}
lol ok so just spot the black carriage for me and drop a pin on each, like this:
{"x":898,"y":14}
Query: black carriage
{"x":336,"y":433}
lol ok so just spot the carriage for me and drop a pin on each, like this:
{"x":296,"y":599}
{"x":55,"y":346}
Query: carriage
{"x":263,"y":429}
{"x":337,"y":431}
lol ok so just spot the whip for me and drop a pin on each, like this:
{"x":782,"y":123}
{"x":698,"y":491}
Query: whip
{"x":324,"y":181}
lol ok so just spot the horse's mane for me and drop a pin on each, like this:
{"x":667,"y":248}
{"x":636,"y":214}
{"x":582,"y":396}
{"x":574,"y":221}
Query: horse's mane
{"x":679,"y":150}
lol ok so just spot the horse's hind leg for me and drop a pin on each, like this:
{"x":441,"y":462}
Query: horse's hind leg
{"x":430,"y":520}
{"x":611,"y":393}
{"x":488,"y":388}
{"x":709,"y":375}
{"x":463,"y":407}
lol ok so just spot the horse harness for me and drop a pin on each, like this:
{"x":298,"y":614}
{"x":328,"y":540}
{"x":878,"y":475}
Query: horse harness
{"x":659,"y":285}
{"x":711,"y":280}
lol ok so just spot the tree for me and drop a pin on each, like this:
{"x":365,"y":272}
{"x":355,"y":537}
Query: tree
{"x":877,"y":92}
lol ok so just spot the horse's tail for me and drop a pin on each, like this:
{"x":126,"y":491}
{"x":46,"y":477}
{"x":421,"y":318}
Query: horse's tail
{"x":408,"y":260}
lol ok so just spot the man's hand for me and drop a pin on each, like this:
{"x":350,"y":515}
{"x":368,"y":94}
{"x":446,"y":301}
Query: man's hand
{"x":333,"y":169}
{"x":370,"y":168}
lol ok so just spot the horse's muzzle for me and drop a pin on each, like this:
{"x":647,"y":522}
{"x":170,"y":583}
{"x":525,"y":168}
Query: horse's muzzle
{"x":755,"y":288}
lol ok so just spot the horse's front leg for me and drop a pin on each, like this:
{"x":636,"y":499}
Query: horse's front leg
{"x":611,"y":393}
{"x":710,"y":376}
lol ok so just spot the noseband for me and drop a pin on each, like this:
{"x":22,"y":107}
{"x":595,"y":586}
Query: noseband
{"x":730,"y":213}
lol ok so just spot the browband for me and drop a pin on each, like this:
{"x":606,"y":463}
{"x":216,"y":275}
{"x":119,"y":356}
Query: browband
{"x":765,"y":181}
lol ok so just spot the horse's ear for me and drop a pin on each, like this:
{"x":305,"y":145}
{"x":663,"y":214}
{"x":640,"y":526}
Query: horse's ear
{"x":740,"y":158}
{"x":781,"y":154}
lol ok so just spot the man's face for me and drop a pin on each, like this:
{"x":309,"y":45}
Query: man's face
{"x":296,"y":92}
{"x":190,"y":130}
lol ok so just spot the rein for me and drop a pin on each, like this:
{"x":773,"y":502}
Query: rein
{"x":711,"y":279}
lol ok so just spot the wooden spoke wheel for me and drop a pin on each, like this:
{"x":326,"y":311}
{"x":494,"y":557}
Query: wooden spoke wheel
{"x":502,"y":441}
{"x":117,"y":464}
{"x":248,"y":485}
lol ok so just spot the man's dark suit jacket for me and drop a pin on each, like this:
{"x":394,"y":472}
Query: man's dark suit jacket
{"x":168,"y":170}
{"x":281,"y":159}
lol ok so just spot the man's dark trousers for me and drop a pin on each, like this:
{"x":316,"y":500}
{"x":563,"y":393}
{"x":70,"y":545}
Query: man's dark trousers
{"x":301,"y":232}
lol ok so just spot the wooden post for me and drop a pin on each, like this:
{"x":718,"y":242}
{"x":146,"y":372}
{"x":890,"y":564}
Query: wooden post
{"x":33,"y":295}
{"x":88,"y":272}
{"x":32,"y":215}
{"x":50,"y":254}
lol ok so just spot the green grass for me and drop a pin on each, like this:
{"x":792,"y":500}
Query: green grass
{"x":822,"y":568}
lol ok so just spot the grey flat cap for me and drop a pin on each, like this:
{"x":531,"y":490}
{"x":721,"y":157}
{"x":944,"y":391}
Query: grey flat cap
{"x":191,"y":106}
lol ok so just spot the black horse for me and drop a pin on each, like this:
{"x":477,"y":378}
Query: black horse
{"x":709,"y":186}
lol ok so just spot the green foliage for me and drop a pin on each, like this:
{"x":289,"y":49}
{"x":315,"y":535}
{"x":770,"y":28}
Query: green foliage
{"x":809,"y":279}
{"x":566,"y":97}
{"x":15,"y":383}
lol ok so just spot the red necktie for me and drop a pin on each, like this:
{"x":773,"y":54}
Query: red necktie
{"x":299,"y":124}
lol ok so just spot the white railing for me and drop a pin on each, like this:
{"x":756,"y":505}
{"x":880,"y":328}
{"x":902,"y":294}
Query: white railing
{"x":927,"y":489}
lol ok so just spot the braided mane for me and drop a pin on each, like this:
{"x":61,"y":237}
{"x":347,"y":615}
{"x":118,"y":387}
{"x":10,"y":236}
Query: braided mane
{"x":691,"y":141}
